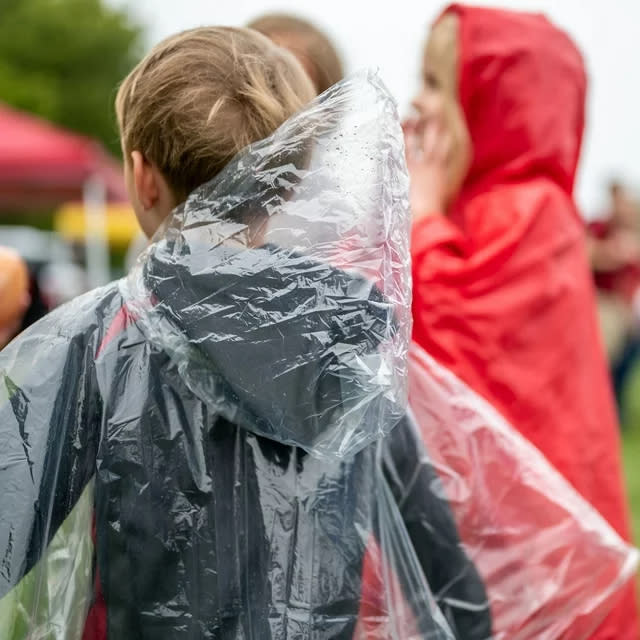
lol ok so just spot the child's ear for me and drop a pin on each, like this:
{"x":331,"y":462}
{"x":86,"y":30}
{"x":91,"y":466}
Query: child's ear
{"x":145,"y":180}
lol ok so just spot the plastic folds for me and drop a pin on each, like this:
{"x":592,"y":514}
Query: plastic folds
{"x":551,"y":565}
{"x":210,"y":431}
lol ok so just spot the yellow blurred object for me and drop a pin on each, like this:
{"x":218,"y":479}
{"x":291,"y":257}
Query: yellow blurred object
{"x":121,"y":223}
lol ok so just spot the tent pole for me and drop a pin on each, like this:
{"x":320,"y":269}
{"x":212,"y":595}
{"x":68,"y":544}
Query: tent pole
{"x":96,"y":244}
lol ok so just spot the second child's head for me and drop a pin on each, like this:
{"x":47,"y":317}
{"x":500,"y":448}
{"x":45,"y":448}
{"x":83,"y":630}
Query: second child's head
{"x":508,"y":88}
{"x":437,"y":104}
{"x":194,"y":102}
{"x":313,"y":48}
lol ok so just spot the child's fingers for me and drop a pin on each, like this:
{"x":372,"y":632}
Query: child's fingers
{"x":434,"y":142}
{"x":409,"y":126}
{"x":444,"y":147}
{"x":412,"y":142}
{"x":426,"y":142}
{"x":410,"y":131}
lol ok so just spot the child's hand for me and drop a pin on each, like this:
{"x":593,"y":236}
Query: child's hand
{"x":625,"y":246}
{"x":428,"y":147}
{"x":615,"y":252}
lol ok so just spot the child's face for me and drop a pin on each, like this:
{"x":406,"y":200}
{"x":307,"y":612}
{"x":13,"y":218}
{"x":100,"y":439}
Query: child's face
{"x":438,"y":99}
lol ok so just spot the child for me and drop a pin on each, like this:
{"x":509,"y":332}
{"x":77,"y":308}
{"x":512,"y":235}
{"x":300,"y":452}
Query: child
{"x":317,"y":54}
{"x":502,"y":292}
{"x":222,"y":407}
{"x":614,"y":250}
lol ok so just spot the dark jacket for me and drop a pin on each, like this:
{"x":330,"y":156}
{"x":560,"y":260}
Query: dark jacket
{"x":201,"y":518}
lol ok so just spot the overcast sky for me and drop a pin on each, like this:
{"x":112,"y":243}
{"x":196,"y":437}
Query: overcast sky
{"x":389,"y":35}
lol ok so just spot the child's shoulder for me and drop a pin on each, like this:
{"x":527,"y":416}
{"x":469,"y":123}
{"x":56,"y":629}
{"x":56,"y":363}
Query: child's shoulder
{"x":80,"y":323}
{"x":514,"y":210}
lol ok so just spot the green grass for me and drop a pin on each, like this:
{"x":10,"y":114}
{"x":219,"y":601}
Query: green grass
{"x":631,"y":456}
{"x":631,"y":450}
{"x":631,"y":445}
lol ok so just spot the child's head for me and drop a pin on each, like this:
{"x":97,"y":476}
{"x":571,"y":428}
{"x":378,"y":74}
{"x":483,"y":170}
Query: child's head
{"x":194,"y":102}
{"x":438,"y":98}
{"x":514,"y":84}
{"x":309,"y":44}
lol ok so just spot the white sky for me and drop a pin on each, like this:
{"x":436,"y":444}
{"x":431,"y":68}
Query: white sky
{"x":389,"y":35}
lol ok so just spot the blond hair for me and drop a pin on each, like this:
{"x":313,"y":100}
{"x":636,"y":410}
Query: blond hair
{"x":442,"y":49}
{"x":309,"y":44}
{"x":201,"y":96}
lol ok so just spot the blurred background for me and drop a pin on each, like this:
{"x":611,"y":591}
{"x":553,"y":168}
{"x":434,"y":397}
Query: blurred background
{"x":62,"y":198}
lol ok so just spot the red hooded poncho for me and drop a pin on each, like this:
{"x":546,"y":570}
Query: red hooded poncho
{"x":502,"y":291}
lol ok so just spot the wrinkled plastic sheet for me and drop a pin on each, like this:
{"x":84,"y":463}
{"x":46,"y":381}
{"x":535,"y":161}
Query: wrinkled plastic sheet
{"x":198,"y":451}
{"x":551,"y":565}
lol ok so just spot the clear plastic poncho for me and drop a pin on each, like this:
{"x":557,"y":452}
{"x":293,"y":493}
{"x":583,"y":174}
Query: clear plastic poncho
{"x":219,"y":445}
{"x":198,"y":450}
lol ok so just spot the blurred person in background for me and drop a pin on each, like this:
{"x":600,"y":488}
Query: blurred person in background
{"x":14,"y":294}
{"x":54,"y":270}
{"x":502,"y":291}
{"x":614,"y":251}
{"x":313,"y":48}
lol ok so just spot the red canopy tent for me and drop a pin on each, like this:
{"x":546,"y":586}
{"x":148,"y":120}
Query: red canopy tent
{"x":42,"y":165}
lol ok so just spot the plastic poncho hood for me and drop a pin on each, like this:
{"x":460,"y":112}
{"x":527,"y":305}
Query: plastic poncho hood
{"x":321,"y":387}
{"x":319,"y":363}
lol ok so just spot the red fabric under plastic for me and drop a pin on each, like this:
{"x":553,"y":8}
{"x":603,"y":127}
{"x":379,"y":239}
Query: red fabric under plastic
{"x":502,"y":291}
{"x":373,"y":617}
{"x":551,"y":566}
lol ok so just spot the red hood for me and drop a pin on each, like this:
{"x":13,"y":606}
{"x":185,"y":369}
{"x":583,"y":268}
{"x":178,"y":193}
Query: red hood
{"x":522,"y":87}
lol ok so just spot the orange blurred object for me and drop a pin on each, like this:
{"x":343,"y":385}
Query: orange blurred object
{"x":14,"y":287}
